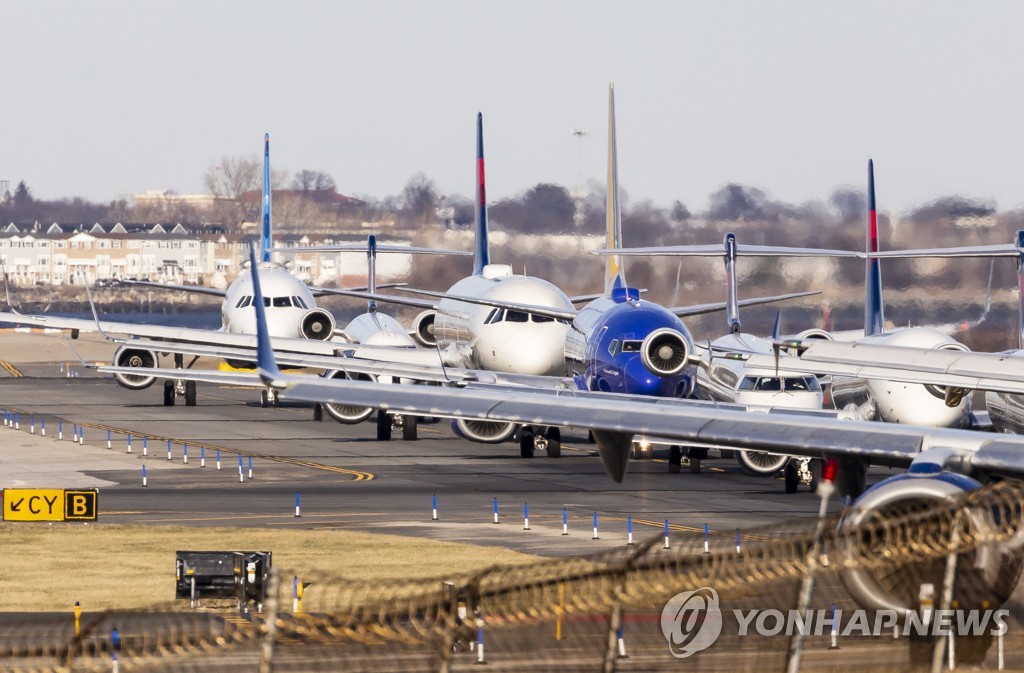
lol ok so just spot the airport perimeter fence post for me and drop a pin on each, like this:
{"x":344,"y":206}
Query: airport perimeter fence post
{"x":948,"y":579}
{"x":824,"y":554}
{"x":565,"y":522}
{"x":526,"y":516}
{"x":834,"y":636}
{"x":433,"y":504}
{"x":480,"y":659}
{"x":595,"y":537}
{"x":78,"y":619}
{"x":270,"y":638}
{"x":559,"y":610}
{"x":115,"y":648}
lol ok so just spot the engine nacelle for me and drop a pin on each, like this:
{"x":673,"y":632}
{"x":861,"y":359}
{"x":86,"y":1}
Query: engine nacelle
{"x":664,"y":352}
{"x":985,"y":576}
{"x":135,"y":357}
{"x":951,"y":396}
{"x":814,"y":333}
{"x":487,"y":432}
{"x":423,"y":329}
{"x":317,"y":324}
{"x":347,"y":413}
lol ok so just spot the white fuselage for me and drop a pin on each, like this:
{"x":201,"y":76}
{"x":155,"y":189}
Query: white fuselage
{"x":378,"y":329}
{"x":286,"y":299}
{"x":898,"y":402}
{"x":503,"y":340}
{"x":728,"y":380}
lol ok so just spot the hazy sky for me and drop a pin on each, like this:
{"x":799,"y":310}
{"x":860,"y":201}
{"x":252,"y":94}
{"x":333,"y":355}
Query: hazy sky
{"x":104,"y":99}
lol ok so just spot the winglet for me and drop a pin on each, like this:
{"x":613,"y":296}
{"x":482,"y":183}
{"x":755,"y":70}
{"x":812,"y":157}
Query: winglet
{"x":613,"y":211}
{"x":371,"y":272}
{"x":777,"y":328}
{"x":732,"y":300}
{"x":482,"y":252}
{"x":874,"y":314}
{"x":266,"y":242}
{"x":266,"y":366}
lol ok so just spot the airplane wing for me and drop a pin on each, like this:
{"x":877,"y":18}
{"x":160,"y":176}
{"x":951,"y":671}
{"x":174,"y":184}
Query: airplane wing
{"x":715,"y":250}
{"x":546,"y":311}
{"x":698,"y":309}
{"x":1003,"y":372}
{"x":195,"y":289}
{"x":376,"y":296}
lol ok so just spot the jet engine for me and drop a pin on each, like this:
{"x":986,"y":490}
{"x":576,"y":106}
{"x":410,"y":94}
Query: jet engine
{"x":423,"y":329}
{"x":761,"y":464}
{"x":488,"y":432}
{"x":317,"y":324}
{"x":664,"y":352}
{"x":814,"y":333}
{"x":347,"y":413}
{"x":951,"y":396}
{"x":135,"y":357}
{"x":985,"y":576}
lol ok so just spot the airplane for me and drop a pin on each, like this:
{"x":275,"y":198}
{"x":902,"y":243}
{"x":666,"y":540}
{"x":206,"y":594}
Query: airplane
{"x":885,"y":398}
{"x":297,"y":324}
{"x":617,"y":343}
{"x":942,"y":463}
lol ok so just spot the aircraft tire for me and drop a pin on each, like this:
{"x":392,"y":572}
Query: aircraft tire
{"x":792,"y":479}
{"x":695,"y":465}
{"x":409,"y":428}
{"x":675,"y":459}
{"x":554,"y":440}
{"x":264,"y":399}
{"x":168,"y":393}
{"x":190,"y":393}
{"x":383,"y":426}
{"x":318,"y":412}
{"x":526,"y":442}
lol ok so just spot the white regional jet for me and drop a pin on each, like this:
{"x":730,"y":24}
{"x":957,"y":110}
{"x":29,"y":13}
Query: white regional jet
{"x":298,"y":326}
{"x":942,"y":463}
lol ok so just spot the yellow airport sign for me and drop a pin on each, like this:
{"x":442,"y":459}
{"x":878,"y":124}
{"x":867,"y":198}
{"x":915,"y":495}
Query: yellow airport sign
{"x":50,"y":504}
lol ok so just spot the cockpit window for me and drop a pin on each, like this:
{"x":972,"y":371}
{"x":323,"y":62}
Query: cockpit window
{"x":280,"y":302}
{"x":769,"y":384}
{"x":517,"y":316}
{"x":244,"y":301}
{"x":298,"y":302}
{"x":613,"y":347}
{"x":495,"y":316}
{"x":540,"y":318}
{"x":632,"y":346}
{"x":802,"y":384}
{"x":748,"y":383}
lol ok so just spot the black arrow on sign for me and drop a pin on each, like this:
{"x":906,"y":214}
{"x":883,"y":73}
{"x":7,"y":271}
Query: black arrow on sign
{"x":16,"y":505}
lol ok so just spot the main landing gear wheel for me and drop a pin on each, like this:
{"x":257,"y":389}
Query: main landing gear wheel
{"x":190,"y":393}
{"x":553,"y":439}
{"x":409,"y":427}
{"x":168,"y":393}
{"x":268,"y":398}
{"x":383,"y":426}
{"x":792,"y":477}
{"x":318,"y":412}
{"x":675,"y":459}
{"x":526,"y":442}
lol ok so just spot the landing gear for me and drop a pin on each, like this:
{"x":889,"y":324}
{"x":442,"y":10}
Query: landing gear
{"x":696,"y":456}
{"x":318,"y":412}
{"x":527,"y":442}
{"x":190,"y":393}
{"x":383,"y":426}
{"x":553,"y":442}
{"x":268,"y":398}
{"x":792,"y":477}
{"x":168,"y":393}
{"x":409,"y":427}
{"x":675,"y":459}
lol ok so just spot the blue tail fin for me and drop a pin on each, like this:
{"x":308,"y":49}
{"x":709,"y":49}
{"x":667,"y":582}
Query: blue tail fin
{"x":482,"y":251}
{"x":265,"y":363}
{"x":874,"y":317}
{"x":732,"y":303}
{"x":266,"y":242}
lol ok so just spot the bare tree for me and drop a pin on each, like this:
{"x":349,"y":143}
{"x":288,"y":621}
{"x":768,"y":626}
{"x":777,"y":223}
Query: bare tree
{"x":419,"y":197}
{"x":233,"y":176}
{"x":313,"y":181}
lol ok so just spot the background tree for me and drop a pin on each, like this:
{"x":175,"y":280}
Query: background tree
{"x":419,"y":199}
{"x":22,"y":195}
{"x":313,"y":181}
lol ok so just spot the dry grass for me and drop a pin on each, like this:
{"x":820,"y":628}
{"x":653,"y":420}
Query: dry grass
{"x":127,"y":567}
